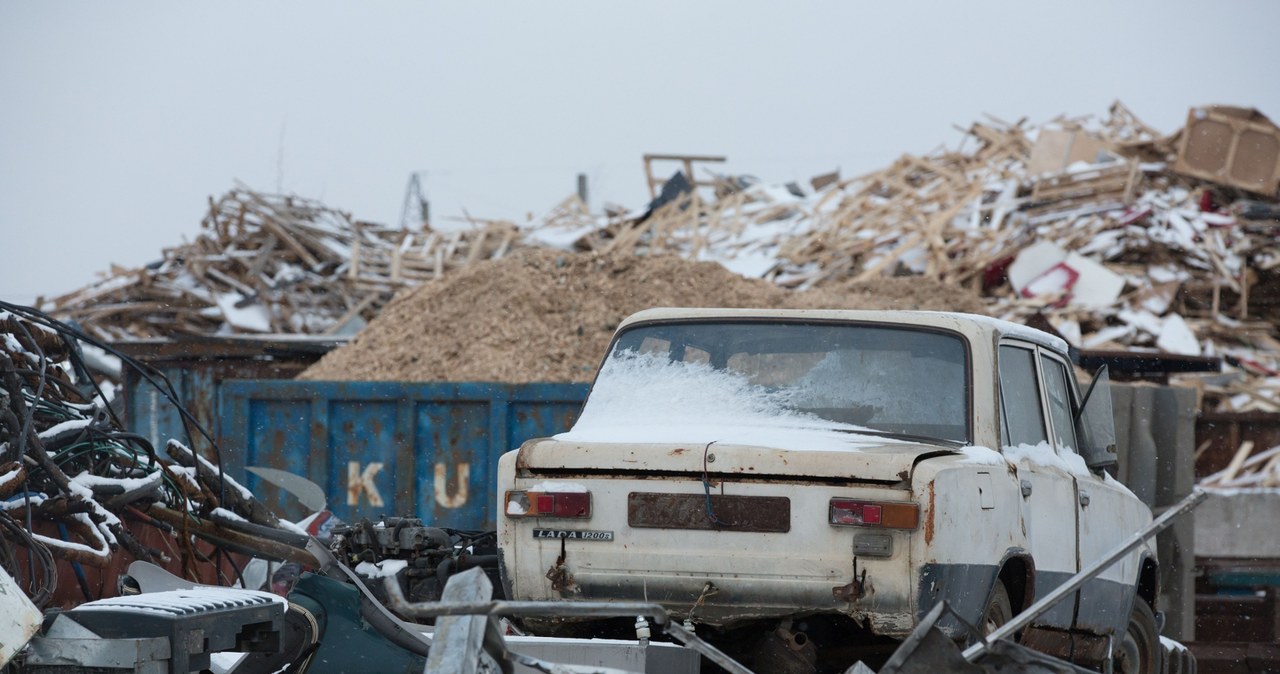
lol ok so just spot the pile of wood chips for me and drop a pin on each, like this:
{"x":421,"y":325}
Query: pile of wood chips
{"x":273,"y":264}
{"x":543,"y":315}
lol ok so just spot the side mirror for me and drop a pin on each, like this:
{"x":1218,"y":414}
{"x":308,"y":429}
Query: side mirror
{"x":1096,"y":424}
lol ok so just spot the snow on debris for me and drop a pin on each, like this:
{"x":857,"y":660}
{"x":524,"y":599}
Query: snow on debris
{"x":173,"y":602}
{"x":1150,"y":258}
{"x":383,"y":569}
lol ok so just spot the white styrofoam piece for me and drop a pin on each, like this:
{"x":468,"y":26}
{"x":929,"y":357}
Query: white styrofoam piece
{"x":1055,"y":280}
{"x":19,"y":618}
{"x":1142,"y":320}
{"x":1045,"y":268}
{"x":1096,"y":286}
{"x":1034,"y":261}
{"x":1176,"y":337}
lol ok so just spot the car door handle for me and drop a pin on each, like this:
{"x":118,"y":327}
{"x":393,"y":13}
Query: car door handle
{"x":1084,"y":498}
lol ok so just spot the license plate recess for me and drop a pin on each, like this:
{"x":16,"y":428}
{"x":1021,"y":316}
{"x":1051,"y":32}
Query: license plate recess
{"x":759,"y":514}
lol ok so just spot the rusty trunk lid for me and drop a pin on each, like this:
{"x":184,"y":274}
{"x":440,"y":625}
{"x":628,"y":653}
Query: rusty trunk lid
{"x":879,"y":460}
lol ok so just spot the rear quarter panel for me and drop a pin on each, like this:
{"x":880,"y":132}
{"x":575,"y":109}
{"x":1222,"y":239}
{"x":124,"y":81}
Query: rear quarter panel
{"x":971,"y":522}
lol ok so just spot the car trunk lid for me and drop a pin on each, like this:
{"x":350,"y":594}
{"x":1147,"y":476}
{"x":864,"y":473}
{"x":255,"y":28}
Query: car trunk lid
{"x":867,"y":459}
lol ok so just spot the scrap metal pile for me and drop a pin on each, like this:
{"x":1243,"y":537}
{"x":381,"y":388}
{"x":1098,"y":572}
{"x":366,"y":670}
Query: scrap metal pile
{"x":273,"y":264}
{"x":75,"y":486}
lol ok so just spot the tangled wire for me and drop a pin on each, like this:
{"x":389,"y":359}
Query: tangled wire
{"x":69,"y":470}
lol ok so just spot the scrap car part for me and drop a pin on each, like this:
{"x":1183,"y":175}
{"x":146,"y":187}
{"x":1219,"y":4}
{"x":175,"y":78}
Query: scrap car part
{"x":175,"y":631}
{"x":419,"y":557}
{"x":599,"y":609}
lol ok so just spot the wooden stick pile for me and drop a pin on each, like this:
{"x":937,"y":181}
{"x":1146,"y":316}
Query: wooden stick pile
{"x":274,"y":264}
{"x":1199,"y":268}
{"x":1247,"y":469}
{"x":1187,"y":253}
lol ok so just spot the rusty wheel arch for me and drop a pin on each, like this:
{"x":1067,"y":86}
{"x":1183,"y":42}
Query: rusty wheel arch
{"x":1149,"y":581}
{"x":1018,"y":573}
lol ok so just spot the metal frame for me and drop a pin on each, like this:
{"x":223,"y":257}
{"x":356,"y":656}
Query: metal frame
{"x":1085,"y":575}
{"x":397,"y":602}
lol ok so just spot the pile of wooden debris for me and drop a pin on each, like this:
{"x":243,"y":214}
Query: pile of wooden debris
{"x":1115,"y":236}
{"x":1105,"y":230}
{"x":273,"y":264}
{"x":1247,"y":469}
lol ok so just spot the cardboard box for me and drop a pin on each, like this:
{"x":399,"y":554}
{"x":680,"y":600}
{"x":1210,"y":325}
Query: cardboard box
{"x":1056,"y":149}
{"x":1239,"y":147}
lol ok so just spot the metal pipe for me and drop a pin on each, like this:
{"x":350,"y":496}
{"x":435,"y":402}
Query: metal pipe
{"x":594,"y":609}
{"x":1088,"y":573}
{"x":215,"y":532}
{"x":597,"y":609}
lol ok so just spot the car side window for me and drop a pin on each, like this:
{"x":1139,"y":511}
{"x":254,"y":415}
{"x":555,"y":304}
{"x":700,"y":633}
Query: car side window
{"x":1055,"y":383}
{"x":1020,"y":398}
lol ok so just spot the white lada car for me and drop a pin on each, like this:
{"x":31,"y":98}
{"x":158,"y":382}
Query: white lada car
{"x":802,"y":484}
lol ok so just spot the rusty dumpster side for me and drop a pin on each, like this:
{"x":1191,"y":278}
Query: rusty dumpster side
{"x":424,"y":449}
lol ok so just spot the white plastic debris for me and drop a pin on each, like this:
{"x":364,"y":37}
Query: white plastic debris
{"x":1176,"y":337}
{"x":1045,"y":269}
{"x":19,"y":618}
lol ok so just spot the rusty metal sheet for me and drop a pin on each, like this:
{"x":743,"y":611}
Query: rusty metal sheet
{"x":761,"y":514}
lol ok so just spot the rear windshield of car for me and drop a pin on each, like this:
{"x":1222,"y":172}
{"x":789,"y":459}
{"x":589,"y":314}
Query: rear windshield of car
{"x":849,"y":376}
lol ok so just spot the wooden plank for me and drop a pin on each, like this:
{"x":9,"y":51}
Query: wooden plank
{"x":1237,"y":461}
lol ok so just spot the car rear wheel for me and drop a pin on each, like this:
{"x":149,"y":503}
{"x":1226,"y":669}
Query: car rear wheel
{"x":1139,"y":651}
{"x":999,"y":609}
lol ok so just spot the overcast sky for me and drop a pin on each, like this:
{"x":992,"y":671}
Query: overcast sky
{"x":119,"y":120}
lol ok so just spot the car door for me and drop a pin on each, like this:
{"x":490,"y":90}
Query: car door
{"x":1106,"y":512}
{"x":1048,"y":490}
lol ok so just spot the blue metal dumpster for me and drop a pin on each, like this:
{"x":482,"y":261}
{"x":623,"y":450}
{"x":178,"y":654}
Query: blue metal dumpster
{"x":197,"y":368}
{"x":376,"y":448}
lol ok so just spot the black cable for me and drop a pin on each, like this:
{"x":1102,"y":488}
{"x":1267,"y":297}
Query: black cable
{"x":30,"y":411}
{"x":124,"y":439}
{"x":41,"y":594}
{"x":76,"y":567}
{"x":148,"y":373}
{"x":223,"y":554}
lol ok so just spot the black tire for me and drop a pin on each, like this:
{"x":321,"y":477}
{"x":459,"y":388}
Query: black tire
{"x":999,"y":609}
{"x":1139,"y":652}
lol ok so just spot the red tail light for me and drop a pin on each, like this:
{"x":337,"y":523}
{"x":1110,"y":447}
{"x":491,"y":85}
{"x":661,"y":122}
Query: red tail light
{"x":890,"y":515}
{"x":548,"y":504}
